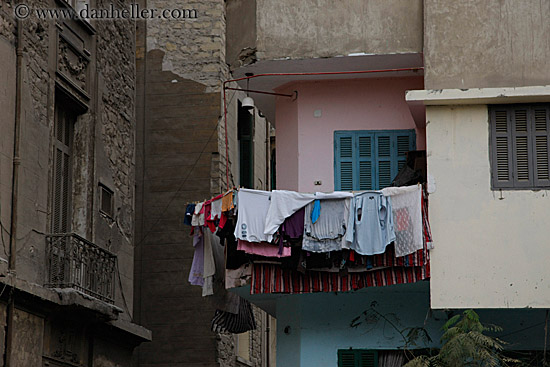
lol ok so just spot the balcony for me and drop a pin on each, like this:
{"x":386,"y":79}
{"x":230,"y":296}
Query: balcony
{"x":73,"y":262}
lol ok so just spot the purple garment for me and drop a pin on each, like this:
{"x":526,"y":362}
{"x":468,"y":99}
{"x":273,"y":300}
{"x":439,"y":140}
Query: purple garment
{"x":197,"y":267}
{"x":292,"y":227}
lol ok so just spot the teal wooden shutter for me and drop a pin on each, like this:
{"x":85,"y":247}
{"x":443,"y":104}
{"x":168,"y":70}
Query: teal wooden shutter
{"x":357,"y":358}
{"x":344,"y":160}
{"x":365,"y":162}
{"x":370,"y":160}
{"x":391,"y":149}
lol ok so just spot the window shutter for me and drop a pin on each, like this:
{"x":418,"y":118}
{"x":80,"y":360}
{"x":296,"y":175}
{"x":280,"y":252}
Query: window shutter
{"x":384,"y":159}
{"x":365,"y":159}
{"x":368,"y":358}
{"x":521,"y":142}
{"x":357,"y":358}
{"x":369,"y":160}
{"x":62,"y":172}
{"x":346,"y":358}
{"x":541,"y":117}
{"x":344,"y":160}
{"x":520,"y":146}
{"x":392,"y":148}
{"x":501,"y":144}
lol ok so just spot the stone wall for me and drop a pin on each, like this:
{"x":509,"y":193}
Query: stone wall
{"x":115,"y":142}
{"x":195,"y":48}
{"x":101,"y":88}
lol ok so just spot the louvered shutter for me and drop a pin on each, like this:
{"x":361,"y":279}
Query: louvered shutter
{"x":502,"y":147}
{"x":357,"y":358}
{"x":520,"y":146}
{"x":392,"y":147}
{"x":541,"y":147}
{"x":368,"y":358}
{"x":365,"y":162}
{"x":521,"y":140}
{"x":62,"y":171}
{"x":384,"y":160}
{"x":346,"y":358}
{"x":344,"y":161}
{"x":370,"y":160}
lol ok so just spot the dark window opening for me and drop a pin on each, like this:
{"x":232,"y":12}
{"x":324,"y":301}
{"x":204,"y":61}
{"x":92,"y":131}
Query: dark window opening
{"x":106,"y":201}
{"x":245,"y":129}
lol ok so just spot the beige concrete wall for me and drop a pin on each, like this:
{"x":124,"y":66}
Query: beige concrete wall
{"x":486,"y":43}
{"x":491,"y":247}
{"x":313,"y":28}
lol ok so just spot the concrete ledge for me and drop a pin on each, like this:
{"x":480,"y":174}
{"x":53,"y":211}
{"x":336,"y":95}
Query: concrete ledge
{"x":136,"y":330}
{"x":68,"y":297}
{"x":435,"y":97}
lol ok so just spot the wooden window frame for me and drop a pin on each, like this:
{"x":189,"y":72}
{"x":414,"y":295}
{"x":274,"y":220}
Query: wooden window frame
{"x":503,"y":146}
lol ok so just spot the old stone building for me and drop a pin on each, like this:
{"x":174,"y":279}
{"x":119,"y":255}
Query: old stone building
{"x":67,"y":133}
{"x":181,"y":158}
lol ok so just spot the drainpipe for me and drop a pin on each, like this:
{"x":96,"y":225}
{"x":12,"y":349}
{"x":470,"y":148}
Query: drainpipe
{"x":14,"y":192}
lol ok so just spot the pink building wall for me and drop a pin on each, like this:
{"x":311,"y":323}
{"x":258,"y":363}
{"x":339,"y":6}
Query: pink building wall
{"x":305,"y":147}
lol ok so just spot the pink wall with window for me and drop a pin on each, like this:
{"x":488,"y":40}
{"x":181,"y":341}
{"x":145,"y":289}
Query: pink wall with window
{"x":305,"y":127}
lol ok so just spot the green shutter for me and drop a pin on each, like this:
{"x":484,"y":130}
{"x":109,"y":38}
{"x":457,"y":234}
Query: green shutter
{"x":357,"y":358}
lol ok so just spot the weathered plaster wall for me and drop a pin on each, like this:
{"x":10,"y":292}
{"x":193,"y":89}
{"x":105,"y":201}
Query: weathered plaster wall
{"x":240,"y":32}
{"x":7,"y":118}
{"x":305,"y":143}
{"x":313,"y":28}
{"x":115,"y":144}
{"x":490,"y":246}
{"x":28,"y":337}
{"x":472,"y":43}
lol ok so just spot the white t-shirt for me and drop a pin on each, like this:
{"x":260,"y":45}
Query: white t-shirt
{"x":252,"y":208}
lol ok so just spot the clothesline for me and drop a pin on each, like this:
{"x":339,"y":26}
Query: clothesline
{"x":293,"y":231}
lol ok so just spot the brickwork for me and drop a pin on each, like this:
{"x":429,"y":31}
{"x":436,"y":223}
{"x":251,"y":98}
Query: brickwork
{"x":181,"y":159}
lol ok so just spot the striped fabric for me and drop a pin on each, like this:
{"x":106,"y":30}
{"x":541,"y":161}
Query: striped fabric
{"x":268,"y":278}
{"x":388,"y":270}
{"x":227,"y":322}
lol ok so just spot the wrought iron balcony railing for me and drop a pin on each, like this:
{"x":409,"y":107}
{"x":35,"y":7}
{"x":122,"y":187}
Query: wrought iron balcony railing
{"x":73,"y":262}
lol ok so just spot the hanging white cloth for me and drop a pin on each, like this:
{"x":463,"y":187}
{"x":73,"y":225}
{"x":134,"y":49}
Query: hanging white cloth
{"x":284,"y":203}
{"x":407,"y":218}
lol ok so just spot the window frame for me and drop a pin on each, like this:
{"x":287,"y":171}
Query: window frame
{"x":513,"y":183}
{"x":61,"y":191}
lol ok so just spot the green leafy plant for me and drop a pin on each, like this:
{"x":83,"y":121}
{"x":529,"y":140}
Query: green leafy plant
{"x":465,"y":344}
